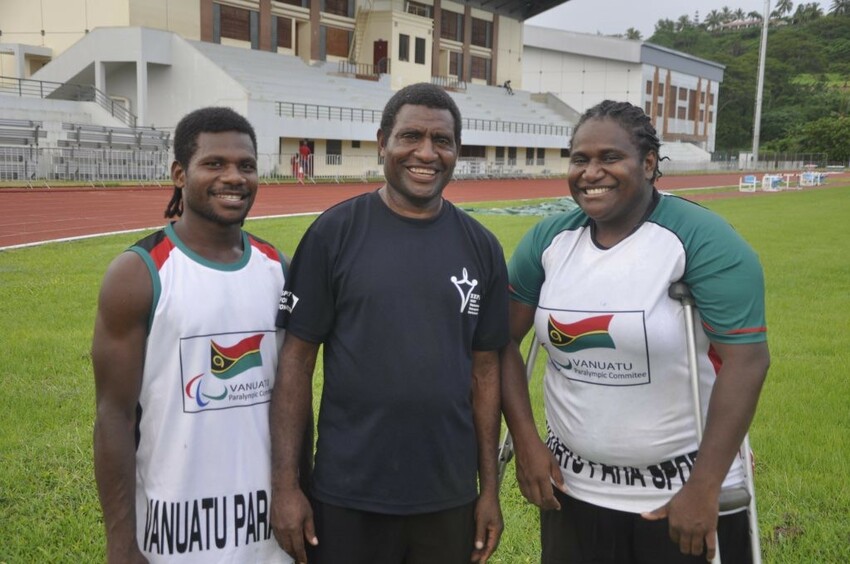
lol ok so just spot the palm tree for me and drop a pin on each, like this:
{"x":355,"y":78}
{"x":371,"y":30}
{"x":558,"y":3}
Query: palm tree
{"x":713,"y":20}
{"x":726,"y":14}
{"x":782,"y":7}
{"x":840,"y":8}
{"x":754,"y":15}
{"x":738,"y":14}
{"x":665,"y":25}
{"x":683,"y":23}
{"x":633,"y":34}
{"x":806,"y":13}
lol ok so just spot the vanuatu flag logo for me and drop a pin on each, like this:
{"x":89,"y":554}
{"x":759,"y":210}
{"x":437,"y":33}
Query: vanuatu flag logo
{"x":589,"y":333}
{"x":227,"y":362}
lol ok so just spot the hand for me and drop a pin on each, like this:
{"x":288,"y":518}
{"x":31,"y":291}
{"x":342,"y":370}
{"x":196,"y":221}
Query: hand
{"x":692,"y":514}
{"x":488,"y":526}
{"x":292,"y":523}
{"x":536,"y":472}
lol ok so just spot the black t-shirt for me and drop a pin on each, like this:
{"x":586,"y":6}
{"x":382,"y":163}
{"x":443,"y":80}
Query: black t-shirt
{"x":400,"y":304}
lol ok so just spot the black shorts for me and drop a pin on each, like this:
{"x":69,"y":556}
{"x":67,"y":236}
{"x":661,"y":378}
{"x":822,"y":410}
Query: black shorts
{"x":349,"y":536}
{"x":581,"y":533}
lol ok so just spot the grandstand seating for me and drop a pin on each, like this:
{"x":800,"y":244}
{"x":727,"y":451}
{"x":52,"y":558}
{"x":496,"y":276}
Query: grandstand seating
{"x":19,"y":139}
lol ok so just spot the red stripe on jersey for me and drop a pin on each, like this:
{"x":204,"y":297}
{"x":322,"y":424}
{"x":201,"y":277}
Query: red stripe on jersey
{"x":161,"y":252}
{"x":265,"y":248}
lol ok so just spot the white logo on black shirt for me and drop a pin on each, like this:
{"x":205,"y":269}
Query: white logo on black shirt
{"x":469,"y":302}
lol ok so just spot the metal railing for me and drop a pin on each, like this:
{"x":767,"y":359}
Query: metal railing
{"x":25,"y":87}
{"x":364,"y":69}
{"x":30,"y":164}
{"x":449,"y":82}
{"x":341,"y":113}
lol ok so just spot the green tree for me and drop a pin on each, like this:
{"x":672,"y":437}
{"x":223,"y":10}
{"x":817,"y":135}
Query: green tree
{"x":830,"y":135}
{"x":633,"y":34}
{"x":840,"y":8}
{"x":713,"y":20}
{"x":806,"y":13}
{"x":783,"y":7}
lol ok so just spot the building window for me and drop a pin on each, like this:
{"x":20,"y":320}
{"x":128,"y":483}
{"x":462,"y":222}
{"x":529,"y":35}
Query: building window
{"x":529,"y":155}
{"x":710,"y":117}
{"x":500,"y":155}
{"x":482,"y":33}
{"x":480,"y":68}
{"x":541,"y":156}
{"x":337,"y":41}
{"x":701,"y":115}
{"x":648,"y":108}
{"x":671,"y":107}
{"x":338,"y":8}
{"x":692,"y":105}
{"x":333,"y":151}
{"x":403,"y":47}
{"x":648,"y":87}
{"x":451,"y":26}
{"x":355,"y":144}
{"x":565,"y":153}
{"x":455,"y":63}
{"x":418,"y":9}
{"x":702,"y":97}
{"x":681,"y":114}
{"x":476,"y":151}
{"x":511,"y":156}
{"x":420,"y":51}
{"x":659,"y":110}
{"x":284,"y":32}
{"x":235,"y":22}
{"x":672,"y":94}
{"x":298,"y":3}
{"x":683,"y":94}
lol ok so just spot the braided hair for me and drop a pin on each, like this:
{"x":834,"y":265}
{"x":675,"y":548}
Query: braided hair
{"x":632,"y":119}
{"x":203,"y":120}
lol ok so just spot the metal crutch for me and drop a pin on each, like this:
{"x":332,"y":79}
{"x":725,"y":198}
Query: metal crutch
{"x":506,"y":450}
{"x":737,"y":497}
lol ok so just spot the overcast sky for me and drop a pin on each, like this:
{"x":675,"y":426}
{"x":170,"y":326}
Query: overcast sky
{"x":610,"y":17}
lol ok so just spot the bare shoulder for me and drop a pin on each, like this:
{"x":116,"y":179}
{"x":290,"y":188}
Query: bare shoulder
{"x":126,"y":293}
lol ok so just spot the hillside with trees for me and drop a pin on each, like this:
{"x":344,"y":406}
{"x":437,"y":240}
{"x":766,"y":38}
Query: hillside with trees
{"x":806,"y":99}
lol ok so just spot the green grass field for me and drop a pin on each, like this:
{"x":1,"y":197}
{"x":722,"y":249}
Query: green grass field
{"x":48,"y":502}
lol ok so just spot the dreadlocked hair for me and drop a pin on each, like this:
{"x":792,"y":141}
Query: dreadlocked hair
{"x":175,"y":206}
{"x":632,"y":119}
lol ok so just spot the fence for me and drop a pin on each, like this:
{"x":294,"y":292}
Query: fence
{"x":25,"y":87}
{"x":28,"y":165}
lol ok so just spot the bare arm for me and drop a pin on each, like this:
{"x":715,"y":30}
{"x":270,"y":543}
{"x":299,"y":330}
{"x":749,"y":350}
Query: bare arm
{"x":290,"y":416}
{"x":486,"y":417}
{"x":693,"y":511}
{"x":118,"y":349}
{"x":536,"y":468}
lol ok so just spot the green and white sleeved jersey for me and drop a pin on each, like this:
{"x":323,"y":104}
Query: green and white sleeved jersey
{"x":616,"y":389}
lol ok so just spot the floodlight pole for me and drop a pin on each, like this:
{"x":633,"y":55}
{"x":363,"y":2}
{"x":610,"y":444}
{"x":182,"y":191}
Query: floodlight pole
{"x":760,"y":87}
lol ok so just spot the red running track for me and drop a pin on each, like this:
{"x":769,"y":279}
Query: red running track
{"x":37,"y":215}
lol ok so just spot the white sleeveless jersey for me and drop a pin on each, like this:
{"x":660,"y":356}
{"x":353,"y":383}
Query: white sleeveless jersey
{"x":203,"y":449}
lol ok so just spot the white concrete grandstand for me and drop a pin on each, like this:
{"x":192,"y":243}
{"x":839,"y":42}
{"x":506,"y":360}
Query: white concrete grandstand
{"x":107,"y":98}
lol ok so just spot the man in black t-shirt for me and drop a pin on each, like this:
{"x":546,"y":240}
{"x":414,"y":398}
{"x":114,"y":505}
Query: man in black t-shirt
{"x":408,"y":295}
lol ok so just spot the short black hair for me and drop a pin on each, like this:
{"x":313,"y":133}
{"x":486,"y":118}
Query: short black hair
{"x":212,"y":119}
{"x":420,"y":94}
{"x":634,"y":120}
{"x":207,"y":120}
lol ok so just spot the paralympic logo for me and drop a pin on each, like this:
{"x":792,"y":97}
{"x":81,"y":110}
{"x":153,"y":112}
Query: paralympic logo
{"x":225,"y":363}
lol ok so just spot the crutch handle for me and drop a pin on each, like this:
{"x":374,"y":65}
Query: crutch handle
{"x":680,"y":291}
{"x":737,"y":498}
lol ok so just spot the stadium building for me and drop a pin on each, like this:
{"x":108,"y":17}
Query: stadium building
{"x":92,"y":89}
